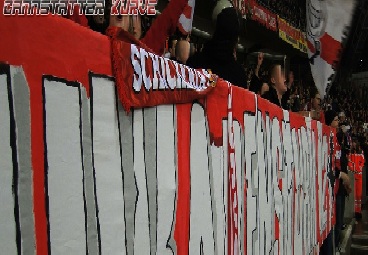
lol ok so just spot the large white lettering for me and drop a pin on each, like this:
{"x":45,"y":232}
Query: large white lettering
{"x":201,"y":227}
{"x":278,"y":196}
{"x":137,"y":77}
{"x":166,"y":179}
{"x":166,"y":74}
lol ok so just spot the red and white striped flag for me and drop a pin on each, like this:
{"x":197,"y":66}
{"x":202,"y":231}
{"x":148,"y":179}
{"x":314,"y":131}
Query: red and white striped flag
{"x":186,"y":18}
{"x":327,"y":24}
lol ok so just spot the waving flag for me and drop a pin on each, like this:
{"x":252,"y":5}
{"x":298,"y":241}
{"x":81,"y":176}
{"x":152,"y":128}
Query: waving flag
{"x":186,"y":18}
{"x":327,"y":25}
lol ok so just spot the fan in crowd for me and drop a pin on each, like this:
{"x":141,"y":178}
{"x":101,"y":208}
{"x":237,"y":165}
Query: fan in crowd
{"x":218,"y":53}
{"x":257,"y":84}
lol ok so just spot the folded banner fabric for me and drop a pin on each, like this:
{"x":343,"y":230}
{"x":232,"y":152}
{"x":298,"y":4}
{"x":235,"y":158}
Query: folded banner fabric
{"x":186,"y":18}
{"x":327,"y":27}
{"x":145,"y":79}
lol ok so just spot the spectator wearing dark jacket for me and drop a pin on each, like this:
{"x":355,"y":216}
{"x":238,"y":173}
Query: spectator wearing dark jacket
{"x":314,"y":106}
{"x":257,"y":85}
{"x":332,"y":120}
{"x":218,"y":52}
{"x":285,"y":101}
{"x":339,"y":159}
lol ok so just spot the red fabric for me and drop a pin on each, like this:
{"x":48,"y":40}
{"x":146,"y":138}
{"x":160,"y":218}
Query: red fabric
{"x":187,"y":12}
{"x":322,"y":117}
{"x":124,"y":74}
{"x":120,"y":54}
{"x":330,"y":48}
{"x":153,"y":42}
{"x":120,"y":34}
{"x":358,"y":186}
{"x":164,"y":26}
{"x":216,"y":114}
{"x":76,"y":17}
{"x":263,"y":16}
{"x":277,"y":232}
{"x":233,"y":209}
{"x":182,"y":222}
{"x":321,"y":113}
{"x":356,"y":164}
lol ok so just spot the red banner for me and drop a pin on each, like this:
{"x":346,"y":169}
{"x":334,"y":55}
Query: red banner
{"x":145,"y":79}
{"x":263,"y":16}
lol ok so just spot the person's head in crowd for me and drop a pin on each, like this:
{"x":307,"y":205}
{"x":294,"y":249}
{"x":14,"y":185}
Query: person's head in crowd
{"x":315,"y":100}
{"x":122,"y":21}
{"x":218,"y":52}
{"x":344,"y":127}
{"x":290,"y":79}
{"x":354,"y":129}
{"x":255,"y":85}
{"x":182,"y":51}
{"x":342,"y":117}
{"x":259,"y":86}
{"x":331,"y":119}
{"x":355,"y":146}
{"x":192,"y":49}
{"x":172,"y":44}
{"x":277,"y":79}
{"x":249,"y":75}
{"x":134,"y":24}
{"x":97,"y":23}
{"x":228,"y":27}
